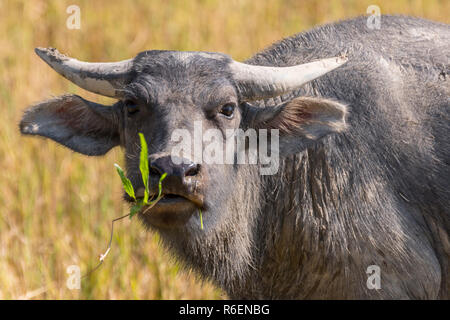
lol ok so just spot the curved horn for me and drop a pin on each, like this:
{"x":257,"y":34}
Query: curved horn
{"x":103,"y":78}
{"x":259,"y":82}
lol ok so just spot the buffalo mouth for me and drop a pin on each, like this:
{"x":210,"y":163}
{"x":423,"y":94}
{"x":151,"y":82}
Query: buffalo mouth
{"x":171,"y":210}
{"x":177,"y":204}
{"x":171,"y":198}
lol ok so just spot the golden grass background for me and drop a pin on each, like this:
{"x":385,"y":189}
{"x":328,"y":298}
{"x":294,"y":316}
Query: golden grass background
{"x":55,"y":205}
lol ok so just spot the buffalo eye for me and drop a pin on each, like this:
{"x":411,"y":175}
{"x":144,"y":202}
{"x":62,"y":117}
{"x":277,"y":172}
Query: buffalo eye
{"x":228,"y":110}
{"x":131,"y":107}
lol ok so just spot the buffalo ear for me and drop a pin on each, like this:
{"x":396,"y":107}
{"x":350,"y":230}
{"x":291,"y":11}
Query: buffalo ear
{"x":301,"y":121}
{"x":83,"y":126}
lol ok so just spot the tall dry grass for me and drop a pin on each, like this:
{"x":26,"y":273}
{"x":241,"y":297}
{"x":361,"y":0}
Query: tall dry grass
{"x":55,"y":205}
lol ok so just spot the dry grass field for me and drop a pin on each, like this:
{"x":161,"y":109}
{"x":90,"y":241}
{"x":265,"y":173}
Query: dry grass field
{"x":55,"y":205}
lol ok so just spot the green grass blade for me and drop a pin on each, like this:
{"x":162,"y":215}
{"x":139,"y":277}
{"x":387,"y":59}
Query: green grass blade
{"x":125,"y":182}
{"x":135,"y":209}
{"x":143,"y":166}
{"x":163,"y":176}
{"x":201,"y":218}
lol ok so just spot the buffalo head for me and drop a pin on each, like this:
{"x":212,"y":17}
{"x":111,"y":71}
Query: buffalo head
{"x":165,"y":92}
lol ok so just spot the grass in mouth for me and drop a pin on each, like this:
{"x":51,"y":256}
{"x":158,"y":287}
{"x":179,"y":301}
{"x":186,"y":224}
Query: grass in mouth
{"x":143,"y":167}
{"x":138,"y":203}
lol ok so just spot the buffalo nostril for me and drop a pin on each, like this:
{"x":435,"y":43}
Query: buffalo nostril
{"x":155,"y":171}
{"x":192,"y":170}
{"x":174,"y":168}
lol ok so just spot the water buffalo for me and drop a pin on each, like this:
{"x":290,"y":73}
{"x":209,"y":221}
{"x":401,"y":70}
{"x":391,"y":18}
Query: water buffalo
{"x":364,"y":170}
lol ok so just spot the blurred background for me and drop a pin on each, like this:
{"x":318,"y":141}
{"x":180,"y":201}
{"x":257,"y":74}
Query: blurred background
{"x":56,"y":206}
